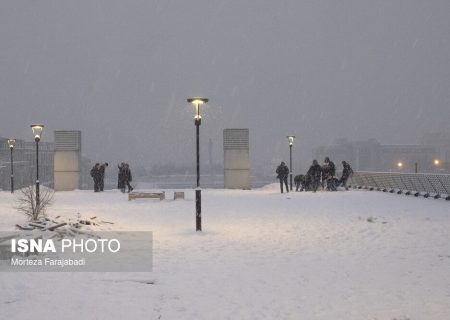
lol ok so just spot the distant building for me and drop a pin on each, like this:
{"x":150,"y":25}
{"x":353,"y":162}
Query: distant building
{"x":440,"y":141}
{"x":371,"y":155}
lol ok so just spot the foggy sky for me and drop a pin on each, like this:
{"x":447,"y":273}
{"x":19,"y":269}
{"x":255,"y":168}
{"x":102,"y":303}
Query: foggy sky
{"x":121,"y":71}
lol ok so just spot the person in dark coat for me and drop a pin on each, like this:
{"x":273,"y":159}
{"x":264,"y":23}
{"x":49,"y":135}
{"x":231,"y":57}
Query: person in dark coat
{"x":302,"y":182}
{"x":346,"y":173}
{"x":120,"y":178}
{"x":282,"y":174}
{"x":101,"y":176}
{"x":127,"y":178}
{"x":95,"y":176}
{"x":328,"y":172}
{"x":299,"y":181}
{"x":314,"y":174}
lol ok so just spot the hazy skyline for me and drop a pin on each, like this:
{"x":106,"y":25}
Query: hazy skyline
{"x":120,"y":71}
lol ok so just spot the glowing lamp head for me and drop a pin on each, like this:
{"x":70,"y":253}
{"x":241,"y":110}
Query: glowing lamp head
{"x":436,"y":162}
{"x":400,"y":164}
{"x":11,"y":143}
{"x":291,"y":139}
{"x":197,"y":101}
{"x":37,"y":131}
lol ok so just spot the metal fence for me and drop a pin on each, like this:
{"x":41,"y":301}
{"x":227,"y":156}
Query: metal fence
{"x":417,"y":184}
{"x":25,"y":164}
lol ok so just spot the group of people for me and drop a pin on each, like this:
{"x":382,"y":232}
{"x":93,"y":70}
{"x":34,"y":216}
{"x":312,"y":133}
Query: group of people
{"x":316,"y":176}
{"x":123,"y":181}
{"x":98,"y":174}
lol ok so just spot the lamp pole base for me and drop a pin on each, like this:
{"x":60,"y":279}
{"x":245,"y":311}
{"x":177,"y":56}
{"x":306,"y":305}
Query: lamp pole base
{"x":198,"y":210}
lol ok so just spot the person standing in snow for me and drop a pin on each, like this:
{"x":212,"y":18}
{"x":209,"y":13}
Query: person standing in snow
{"x":314,"y":174}
{"x":346,"y":173}
{"x":120,"y":178}
{"x":328,"y":172}
{"x":101,"y":176}
{"x":127,"y":178}
{"x":282,"y":174}
{"x":95,"y":176}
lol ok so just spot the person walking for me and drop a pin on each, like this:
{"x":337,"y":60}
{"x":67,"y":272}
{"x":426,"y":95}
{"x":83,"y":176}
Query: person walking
{"x":314,"y":174}
{"x":282,"y":174}
{"x":346,"y":173}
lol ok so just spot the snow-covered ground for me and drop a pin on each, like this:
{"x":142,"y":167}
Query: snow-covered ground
{"x":262,"y":255}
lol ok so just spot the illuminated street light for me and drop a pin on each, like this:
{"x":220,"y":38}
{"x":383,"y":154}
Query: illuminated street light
{"x":400,"y":164}
{"x":12,"y":144}
{"x":291,"y":142}
{"x":37,"y":133}
{"x":197,"y":102}
{"x":437,"y":162}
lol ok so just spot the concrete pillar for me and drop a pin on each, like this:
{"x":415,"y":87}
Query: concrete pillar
{"x":236,"y":158}
{"x":67,"y":160}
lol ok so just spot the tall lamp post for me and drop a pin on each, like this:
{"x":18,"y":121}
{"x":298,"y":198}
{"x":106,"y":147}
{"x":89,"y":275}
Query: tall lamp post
{"x":291,"y":142}
{"x":197,"y":102}
{"x":37,"y":133}
{"x":11,"y":144}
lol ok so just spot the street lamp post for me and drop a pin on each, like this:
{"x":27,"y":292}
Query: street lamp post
{"x":197,"y":102}
{"x":37,"y":133}
{"x":291,"y":142}
{"x":12,"y":143}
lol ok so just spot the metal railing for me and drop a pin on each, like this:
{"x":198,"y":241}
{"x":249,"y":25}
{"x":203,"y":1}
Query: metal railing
{"x":417,"y":184}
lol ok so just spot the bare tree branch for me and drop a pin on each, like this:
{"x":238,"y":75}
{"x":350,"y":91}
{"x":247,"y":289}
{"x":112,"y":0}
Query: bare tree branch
{"x":27,"y":202}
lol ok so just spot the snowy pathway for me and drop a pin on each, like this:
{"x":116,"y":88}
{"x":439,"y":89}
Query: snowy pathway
{"x":262,"y":255}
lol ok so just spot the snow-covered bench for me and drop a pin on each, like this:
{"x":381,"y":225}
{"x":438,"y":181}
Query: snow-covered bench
{"x":178,"y":195}
{"x":154,"y":195}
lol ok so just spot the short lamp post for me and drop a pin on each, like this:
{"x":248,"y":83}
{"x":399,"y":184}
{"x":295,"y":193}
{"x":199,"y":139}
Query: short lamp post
{"x":12,"y":144}
{"x":37,"y":133}
{"x":197,"y":102}
{"x":291,"y":142}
